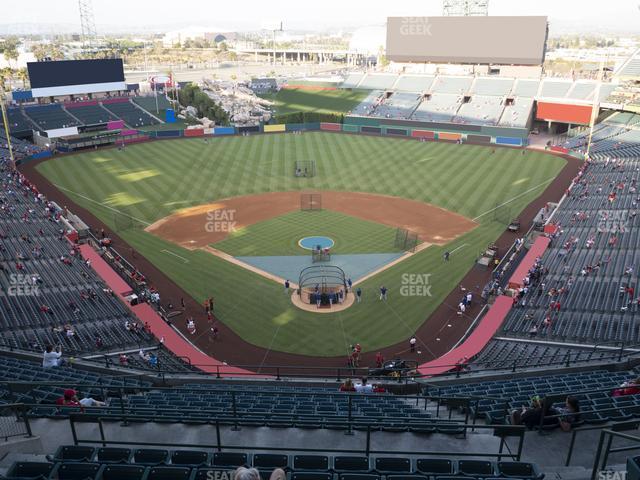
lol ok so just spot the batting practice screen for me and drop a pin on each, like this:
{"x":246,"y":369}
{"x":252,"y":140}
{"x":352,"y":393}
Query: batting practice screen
{"x":69,"y":77}
{"x":485,"y":40}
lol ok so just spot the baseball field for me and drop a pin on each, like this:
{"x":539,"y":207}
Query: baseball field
{"x":159,"y":198}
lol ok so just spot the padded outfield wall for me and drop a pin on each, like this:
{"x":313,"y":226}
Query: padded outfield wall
{"x":436,"y":130}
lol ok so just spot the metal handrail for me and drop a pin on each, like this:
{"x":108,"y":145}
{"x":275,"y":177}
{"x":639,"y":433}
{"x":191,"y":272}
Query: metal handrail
{"x":600,"y":458}
{"x":371,"y":427}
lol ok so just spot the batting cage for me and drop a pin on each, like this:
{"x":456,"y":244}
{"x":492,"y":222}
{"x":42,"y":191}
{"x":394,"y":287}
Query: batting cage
{"x":305,"y":168}
{"x":322,"y":285}
{"x":310,"y":201}
{"x":406,"y":240}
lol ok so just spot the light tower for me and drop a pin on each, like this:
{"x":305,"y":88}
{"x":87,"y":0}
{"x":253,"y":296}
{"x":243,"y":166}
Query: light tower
{"x":87,"y":22}
{"x":465,"y":8}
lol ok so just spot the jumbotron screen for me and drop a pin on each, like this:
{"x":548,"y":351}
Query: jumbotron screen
{"x":74,"y":77}
{"x":471,"y":40}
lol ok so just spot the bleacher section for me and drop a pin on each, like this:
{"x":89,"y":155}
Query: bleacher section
{"x":368,"y":105}
{"x":132,"y":115}
{"x":89,"y":463}
{"x":414,"y":83}
{"x":49,"y":117}
{"x":91,"y":114}
{"x":453,"y":85}
{"x":592,"y":389}
{"x":18,"y":124}
{"x":378,"y":81}
{"x":585,"y":298}
{"x":61,"y":299}
{"x":399,"y":105}
{"x":518,"y":113}
{"x":582,"y":91}
{"x":480,"y":110}
{"x":555,"y":88}
{"x":492,"y":86}
{"x":352,"y":80}
{"x":441,"y":107}
{"x":526,"y":88}
{"x":149,"y":103}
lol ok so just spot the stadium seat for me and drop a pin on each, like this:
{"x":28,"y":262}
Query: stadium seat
{"x":113,"y":455}
{"x":193,"y":458}
{"x":146,"y":456}
{"x":169,"y":473}
{"x":122,"y":472}
{"x":434,"y":466}
{"x":351,"y":464}
{"x":392,"y":465}
{"x":74,"y":453}
{"x":36,"y":470}
{"x":310,"y":462}
{"x":229,"y":459}
{"x":75,"y":471}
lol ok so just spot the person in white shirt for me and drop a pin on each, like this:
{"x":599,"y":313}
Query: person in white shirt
{"x":364,"y":387}
{"x":51,"y":358}
{"x":87,"y":401}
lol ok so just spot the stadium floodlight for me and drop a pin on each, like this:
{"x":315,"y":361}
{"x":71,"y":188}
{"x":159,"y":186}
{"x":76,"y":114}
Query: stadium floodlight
{"x":87,"y":22}
{"x":465,"y":8}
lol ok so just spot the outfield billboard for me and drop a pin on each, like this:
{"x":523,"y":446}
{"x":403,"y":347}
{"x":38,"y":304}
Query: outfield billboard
{"x":470,"y":40}
{"x":75,"y":77}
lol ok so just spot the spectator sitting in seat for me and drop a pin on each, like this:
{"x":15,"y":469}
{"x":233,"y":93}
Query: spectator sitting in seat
{"x":88,"y":401}
{"x":243,"y":473}
{"x":632,"y":387}
{"x":68,"y":399}
{"x":570,"y":413}
{"x":364,"y":387}
{"x":532,"y":416}
{"x":347,"y":386}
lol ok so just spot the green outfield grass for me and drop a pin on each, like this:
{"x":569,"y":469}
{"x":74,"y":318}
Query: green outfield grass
{"x":151,"y":180}
{"x":291,"y":100}
{"x":280,"y":235}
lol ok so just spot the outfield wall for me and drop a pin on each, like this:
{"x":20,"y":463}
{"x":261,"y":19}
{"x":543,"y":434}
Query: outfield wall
{"x":431,"y":131}
{"x":437,"y":130}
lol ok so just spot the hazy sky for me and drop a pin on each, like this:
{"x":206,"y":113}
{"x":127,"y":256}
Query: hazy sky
{"x":297,"y":14}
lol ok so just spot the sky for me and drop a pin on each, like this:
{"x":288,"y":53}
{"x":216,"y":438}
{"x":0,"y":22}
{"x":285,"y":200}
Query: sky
{"x":585,"y":15}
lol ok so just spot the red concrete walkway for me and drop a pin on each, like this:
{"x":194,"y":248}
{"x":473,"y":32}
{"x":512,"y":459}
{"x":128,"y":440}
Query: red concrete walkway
{"x":160,"y":329}
{"x":536,"y":250}
{"x":483,"y":333}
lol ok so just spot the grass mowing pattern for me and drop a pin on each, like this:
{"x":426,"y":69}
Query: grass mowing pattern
{"x":291,"y":100}
{"x":280,"y":235}
{"x":151,"y":180}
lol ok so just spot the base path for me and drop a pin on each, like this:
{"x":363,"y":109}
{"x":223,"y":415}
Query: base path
{"x":187,"y":227}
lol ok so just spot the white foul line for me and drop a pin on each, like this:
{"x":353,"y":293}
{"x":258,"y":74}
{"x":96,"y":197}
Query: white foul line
{"x":514,"y":198}
{"x":175,"y":255}
{"x":101,"y":204}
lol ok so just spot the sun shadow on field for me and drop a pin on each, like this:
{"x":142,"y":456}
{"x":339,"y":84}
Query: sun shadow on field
{"x":101,"y":160}
{"x":123,"y":199}
{"x":284,"y":318}
{"x":139,"y":175}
